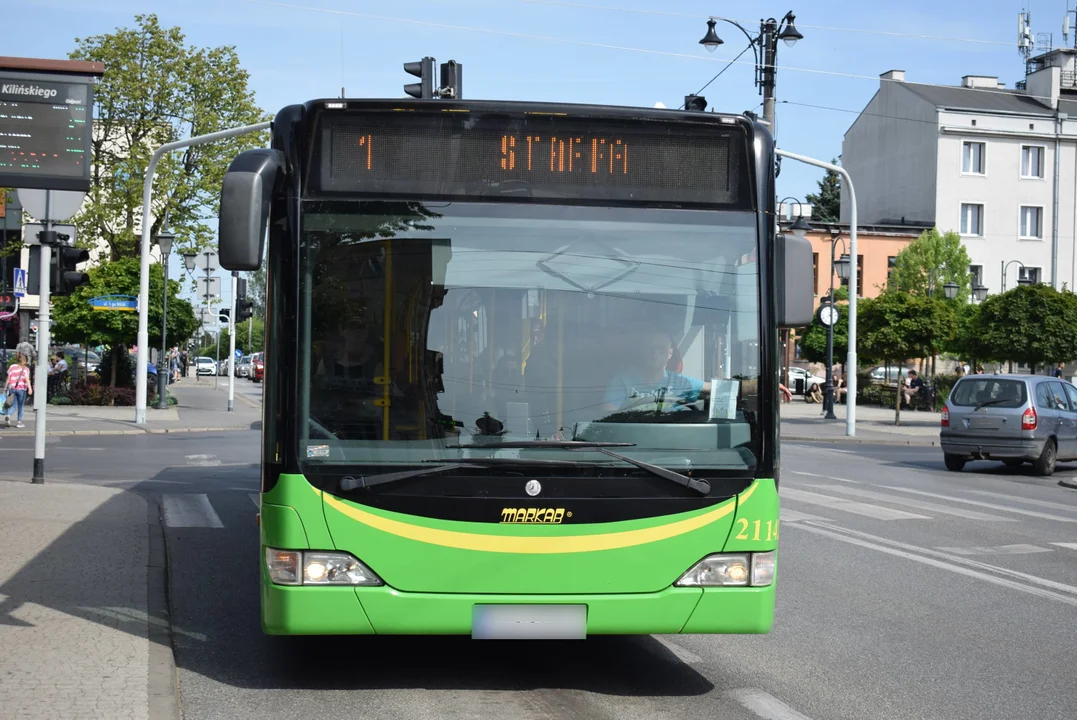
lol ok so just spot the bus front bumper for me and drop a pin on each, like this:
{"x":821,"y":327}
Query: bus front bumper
{"x":385,"y":611}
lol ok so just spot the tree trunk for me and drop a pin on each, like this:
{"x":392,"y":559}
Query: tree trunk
{"x":115,"y":365}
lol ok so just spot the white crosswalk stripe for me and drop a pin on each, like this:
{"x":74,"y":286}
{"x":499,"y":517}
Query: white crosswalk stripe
{"x":189,"y":511}
{"x":993,"y":506}
{"x":858,"y":508}
{"x":256,"y":499}
{"x":917,"y":504}
{"x":1067,"y":545}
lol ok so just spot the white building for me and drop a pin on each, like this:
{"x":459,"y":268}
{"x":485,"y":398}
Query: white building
{"x":997,"y":165}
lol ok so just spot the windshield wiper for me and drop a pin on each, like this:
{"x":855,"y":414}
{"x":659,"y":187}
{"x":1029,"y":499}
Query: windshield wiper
{"x":701,"y":486}
{"x":350,"y":482}
{"x":985,"y":403}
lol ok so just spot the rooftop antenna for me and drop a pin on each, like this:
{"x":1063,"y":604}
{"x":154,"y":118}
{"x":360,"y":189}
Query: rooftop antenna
{"x":1067,"y":25}
{"x":1024,"y":33}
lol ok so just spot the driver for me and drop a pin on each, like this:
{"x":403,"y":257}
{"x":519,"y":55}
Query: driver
{"x":649,"y":380}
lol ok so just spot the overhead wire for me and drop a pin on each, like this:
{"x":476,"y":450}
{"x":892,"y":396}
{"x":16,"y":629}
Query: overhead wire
{"x":603,"y":46}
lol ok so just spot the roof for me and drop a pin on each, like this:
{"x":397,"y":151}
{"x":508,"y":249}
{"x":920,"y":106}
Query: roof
{"x":1010,"y":101}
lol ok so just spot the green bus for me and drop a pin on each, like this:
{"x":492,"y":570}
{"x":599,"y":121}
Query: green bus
{"x":522,"y":367}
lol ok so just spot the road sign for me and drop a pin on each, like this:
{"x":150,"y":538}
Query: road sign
{"x":62,"y":204}
{"x":207,"y":259}
{"x":123,"y":303}
{"x":209,"y":286}
{"x":20,"y":282}
{"x":30,"y":231}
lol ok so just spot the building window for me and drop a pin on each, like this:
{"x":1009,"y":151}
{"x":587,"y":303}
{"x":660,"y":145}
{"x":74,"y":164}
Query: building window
{"x":976,"y":275}
{"x":891,"y":262}
{"x":1032,"y":161}
{"x":815,"y":273}
{"x":972,"y":158}
{"x":1031,"y":274}
{"x":972,"y":219}
{"x":860,"y":276}
{"x":1031,"y":222}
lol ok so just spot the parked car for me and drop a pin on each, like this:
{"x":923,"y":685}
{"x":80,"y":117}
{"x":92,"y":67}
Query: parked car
{"x":257,"y":367}
{"x":810,"y":381}
{"x":892,"y":374}
{"x":1010,"y":418}
{"x":243,"y":367}
{"x":205,"y":366}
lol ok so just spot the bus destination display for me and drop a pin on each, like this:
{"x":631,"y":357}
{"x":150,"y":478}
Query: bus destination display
{"x":538,"y":157}
{"x":44,"y":134}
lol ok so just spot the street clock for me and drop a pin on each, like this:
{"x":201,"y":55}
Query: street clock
{"x":828,"y":314}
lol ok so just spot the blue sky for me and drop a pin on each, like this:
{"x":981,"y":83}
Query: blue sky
{"x":543,"y":50}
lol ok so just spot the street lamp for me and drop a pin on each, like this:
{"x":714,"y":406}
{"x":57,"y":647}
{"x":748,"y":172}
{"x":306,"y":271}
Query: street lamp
{"x":841,"y":267}
{"x":770,"y":31}
{"x":979,"y":293}
{"x":1020,"y":280}
{"x":164,"y":241}
{"x":950,"y":290}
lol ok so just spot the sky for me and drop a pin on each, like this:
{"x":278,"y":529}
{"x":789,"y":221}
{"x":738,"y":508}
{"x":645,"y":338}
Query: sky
{"x":619,"y":52}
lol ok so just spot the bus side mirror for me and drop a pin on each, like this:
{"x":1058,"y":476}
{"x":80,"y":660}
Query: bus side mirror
{"x":246,"y":193}
{"x":794,"y":276}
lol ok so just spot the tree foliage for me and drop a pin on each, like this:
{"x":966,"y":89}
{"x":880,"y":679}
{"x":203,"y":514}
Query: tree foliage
{"x":896,"y":326}
{"x":929,"y":262}
{"x":826,"y":204}
{"x":156,"y":90}
{"x":813,"y":341}
{"x":75,"y":321}
{"x":1030,"y":324}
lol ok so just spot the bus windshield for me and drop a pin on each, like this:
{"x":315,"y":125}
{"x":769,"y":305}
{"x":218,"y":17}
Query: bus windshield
{"x":434,"y":331}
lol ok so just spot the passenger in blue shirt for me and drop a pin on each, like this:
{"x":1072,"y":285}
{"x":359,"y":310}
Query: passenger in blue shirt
{"x":649,"y":381}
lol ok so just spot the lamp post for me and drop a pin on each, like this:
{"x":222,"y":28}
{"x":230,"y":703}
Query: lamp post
{"x":189,"y":260}
{"x":841,"y":266}
{"x":1020,"y":280}
{"x":770,"y":31}
{"x":164,"y":241}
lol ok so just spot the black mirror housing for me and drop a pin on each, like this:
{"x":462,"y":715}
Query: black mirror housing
{"x":246,"y":193}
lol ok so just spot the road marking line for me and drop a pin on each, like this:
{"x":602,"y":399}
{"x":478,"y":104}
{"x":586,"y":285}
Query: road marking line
{"x":1026,"y":501}
{"x":826,"y":477}
{"x":194,"y":510}
{"x":683,"y":654}
{"x":952,"y":562}
{"x":256,"y":498}
{"x":765,"y":705}
{"x":1068,"y":546}
{"x":796,"y":516}
{"x":204,"y":460}
{"x":999,"y":550}
{"x":993,"y":506}
{"x":857,"y":508}
{"x":919,"y":504}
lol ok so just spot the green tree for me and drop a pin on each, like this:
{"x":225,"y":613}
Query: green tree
{"x":813,"y":340}
{"x":967,"y":343}
{"x":75,"y":321}
{"x":248,"y":339}
{"x":929,"y":262}
{"x":1030,"y":324}
{"x":156,"y":90}
{"x":896,"y":326}
{"x":256,"y":290}
{"x":826,"y":204}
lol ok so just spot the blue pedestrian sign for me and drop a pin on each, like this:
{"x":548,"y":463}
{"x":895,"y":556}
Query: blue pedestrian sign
{"x":20,"y":282}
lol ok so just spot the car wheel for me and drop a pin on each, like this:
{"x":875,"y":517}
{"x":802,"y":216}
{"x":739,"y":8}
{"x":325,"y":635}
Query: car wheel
{"x":955,"y":463}
{"x":1044,"y":465}
{"x":1013,"y":462}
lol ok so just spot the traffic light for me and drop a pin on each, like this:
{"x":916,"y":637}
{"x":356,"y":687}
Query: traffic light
{"x":695,"y":103}
{"x":65,"y":278}
{"x":452,"y":80}
{"x":244,"y":307}
{"x":424,"y":70}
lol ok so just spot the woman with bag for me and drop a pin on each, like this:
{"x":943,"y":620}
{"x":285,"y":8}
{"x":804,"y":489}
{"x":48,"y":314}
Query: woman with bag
{"x":16,"y":388}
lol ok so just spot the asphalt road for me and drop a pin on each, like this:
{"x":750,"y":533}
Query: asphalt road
{"x":906,"y":592}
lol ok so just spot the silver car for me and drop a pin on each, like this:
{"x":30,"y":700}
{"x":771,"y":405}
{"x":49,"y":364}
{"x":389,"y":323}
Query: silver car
{"x":1010,"y":418}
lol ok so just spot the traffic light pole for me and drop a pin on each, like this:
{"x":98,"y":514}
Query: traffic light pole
{"x":41,"y":379}
{"x":232,"y":327}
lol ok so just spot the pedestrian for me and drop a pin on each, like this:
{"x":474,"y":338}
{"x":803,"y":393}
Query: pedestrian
{"x":18,"y":386}
{"x":1058,"y":370}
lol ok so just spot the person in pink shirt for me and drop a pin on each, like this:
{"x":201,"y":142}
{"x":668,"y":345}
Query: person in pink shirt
{"x":19,"y":386}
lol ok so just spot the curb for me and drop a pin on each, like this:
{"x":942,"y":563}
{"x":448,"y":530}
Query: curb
{"x":148,"y":431}
{"x":917,"y":442}
{"x":1070,"y":485}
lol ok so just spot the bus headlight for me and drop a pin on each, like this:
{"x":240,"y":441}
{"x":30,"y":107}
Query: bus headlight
{"x":730,"y":570}
{"x":293,"y":567}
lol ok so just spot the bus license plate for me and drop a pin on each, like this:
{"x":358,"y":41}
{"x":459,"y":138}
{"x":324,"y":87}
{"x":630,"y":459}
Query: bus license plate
{"x":529,"y":622}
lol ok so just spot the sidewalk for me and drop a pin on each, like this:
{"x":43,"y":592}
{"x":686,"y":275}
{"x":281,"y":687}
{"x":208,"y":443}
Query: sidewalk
{"x":803,"y":421}
{"x":83,"y":617}
{"x":199,"y":408}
